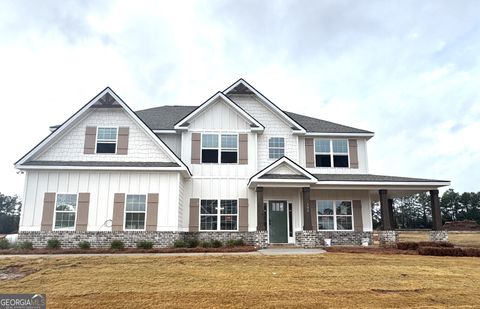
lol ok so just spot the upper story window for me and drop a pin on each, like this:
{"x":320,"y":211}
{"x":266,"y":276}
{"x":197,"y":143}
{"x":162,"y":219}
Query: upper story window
{"x":219,"y":148}
{"x":331,"y":153}
{"x":276,"y":147}
{"x":65,"y":211}
{"x":106,"y":140}
{"x":214,"y":218}
{"x":335,"y":215}
{"x":135,"y":212}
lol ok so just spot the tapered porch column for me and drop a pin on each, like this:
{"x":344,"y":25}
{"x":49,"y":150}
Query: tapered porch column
{"x":307,"y":217}
{"x":436,"y":214}
{"x":386,"y":215}
{"x":260,"y":213}
{"x":390,"y":210}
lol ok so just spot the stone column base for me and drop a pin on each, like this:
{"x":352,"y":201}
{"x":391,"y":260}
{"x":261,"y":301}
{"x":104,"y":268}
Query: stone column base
{"x":439,"y":235}
{"x":388,"y":238}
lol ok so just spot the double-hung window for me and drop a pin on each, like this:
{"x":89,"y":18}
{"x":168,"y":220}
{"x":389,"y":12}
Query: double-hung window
{"x":334,"y":215}
{"x":107,"y":140}
{"x":276,"y":147}
{"x":219,"y":148}
{"x":65,"y":211}
{"x":214,"y":218}
{"x":331,"y":153}
{"x":135,"y":211}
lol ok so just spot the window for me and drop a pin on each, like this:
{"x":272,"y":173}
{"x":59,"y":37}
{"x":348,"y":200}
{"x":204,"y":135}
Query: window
{"x":276,"y":147}
{"x":106,"y":140}
{"x":226,"y":153}
{"x":65,"y":211}
{"x":211,"y":215}
{"x":335,"y":215}
{"x":135,"y":212}
{"x":331,"y":153}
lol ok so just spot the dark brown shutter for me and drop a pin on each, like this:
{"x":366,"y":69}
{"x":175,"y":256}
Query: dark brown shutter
{"x":243,"y":215}
{"x":357,"y":216}
{"x":309,"y":153}
{"x":152,"y":212}
{"x":196,"y":137}
{"x":48,"y":209}
{"x":122,"y":146}
{"x":353,"y":152}
{"x":243,"y":148}
{"x":118,"y":210}
{"x":82,"y":211}
{"x":193,"y":222}
{"x":90,"y":140}
{"x":313,"y":214}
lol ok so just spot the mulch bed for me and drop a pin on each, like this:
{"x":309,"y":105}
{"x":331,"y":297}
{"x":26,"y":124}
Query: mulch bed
{"x":371,"y":250}
{"x":128,"y":250}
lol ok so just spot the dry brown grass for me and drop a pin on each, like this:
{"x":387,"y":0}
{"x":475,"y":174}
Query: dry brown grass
{"x":329,"y":280}
{"x":461,"y":239}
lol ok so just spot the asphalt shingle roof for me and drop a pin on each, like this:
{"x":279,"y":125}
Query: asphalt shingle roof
{"x":370,"y":177}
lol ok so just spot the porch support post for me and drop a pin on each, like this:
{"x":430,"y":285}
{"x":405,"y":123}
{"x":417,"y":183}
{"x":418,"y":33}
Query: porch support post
{"x":307,"y":217}
{"x":390,"y":210}
{"x":436,"y":214}
{"x":260,"y":213}
{"x":386,"y":220}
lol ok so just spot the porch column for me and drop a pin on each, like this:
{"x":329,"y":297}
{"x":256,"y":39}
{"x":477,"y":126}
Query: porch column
{"x":390,"y":210}
{"x":260,"y":213}
{"x":307,"y":217}
{"x":386,"y":220}
{"x":436,"y":214}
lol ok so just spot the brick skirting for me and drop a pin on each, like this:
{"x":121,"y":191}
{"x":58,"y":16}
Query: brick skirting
{"x":312,"y":239}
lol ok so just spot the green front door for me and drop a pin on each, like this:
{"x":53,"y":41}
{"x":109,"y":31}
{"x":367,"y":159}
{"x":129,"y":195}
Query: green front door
{"x":277,"y":212}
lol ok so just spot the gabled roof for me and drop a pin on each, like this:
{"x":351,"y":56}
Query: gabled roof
{"x":314,"y":125}
{"x":107,"y":98}
{"x":184,"y":122}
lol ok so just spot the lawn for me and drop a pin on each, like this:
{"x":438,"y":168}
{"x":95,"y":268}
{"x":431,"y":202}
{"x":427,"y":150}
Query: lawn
{"x":462,"y":239}
{"x":326,"y":280}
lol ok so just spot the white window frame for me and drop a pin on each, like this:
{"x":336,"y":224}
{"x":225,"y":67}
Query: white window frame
{"x":218,"y":214}
{"x":335,"y":215}
{"x":219,"y":147}
{"x":55,"y":213}
{"x":125,"y":212}
{"x":269,"y":147}
{"x":106,"y":142}
{"x":331,"y":153}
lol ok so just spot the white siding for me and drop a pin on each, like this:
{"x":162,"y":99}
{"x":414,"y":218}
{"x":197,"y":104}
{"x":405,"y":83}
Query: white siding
{"x":219,"y":116}
{"x":173,"y":141}
{"x":69,"y":147}
{"x":283,"y":169}
{"x":102,"y":186}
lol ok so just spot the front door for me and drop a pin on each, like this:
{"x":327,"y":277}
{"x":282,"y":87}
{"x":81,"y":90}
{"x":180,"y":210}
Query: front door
{"x":277,"y":211}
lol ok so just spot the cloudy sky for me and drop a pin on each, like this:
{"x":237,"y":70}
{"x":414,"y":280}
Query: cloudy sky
{"x":407,"y":70}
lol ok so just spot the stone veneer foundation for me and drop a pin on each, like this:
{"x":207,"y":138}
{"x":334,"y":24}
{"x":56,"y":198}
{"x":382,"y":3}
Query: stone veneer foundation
{"x":312,"y":239}
{"x":70,"y":239}
{"x":439,"y":235}
{"x":388,"y":238}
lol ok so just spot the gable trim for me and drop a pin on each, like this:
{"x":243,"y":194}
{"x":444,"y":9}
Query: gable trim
{"x":183,"y":123}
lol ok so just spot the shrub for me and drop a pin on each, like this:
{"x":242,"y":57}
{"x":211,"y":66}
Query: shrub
{"x":84,"y":245}
{"x":54,"y":244}
{"x":435,"y":244}
{"x":28,"y":245}
{"x":192,"y":243}
{"x":180,"y":244}
{"x":117,"y":244}
{"x":206,"y":244}
{"x":216,"y":243}
{"x":440,"y":251}
{"x":407,"y":245}
{"x":239,"y":242}
{"x":230,"y":243}
{"x":145,"y":244}
{"x":471,"y":252}
{"x":4,"y":243}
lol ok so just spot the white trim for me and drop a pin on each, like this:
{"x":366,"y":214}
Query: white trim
{"x":179,"y":125}
{"x":283,"y":160}
{"x":218,"y":214}
{"x":335,"y":216}
{"x":275,"y":147}
{"x":313,"y":134}
{"x":268,"y":219}
{"x":55,"y":213}
{"x":127,"y":168}
{"x":219,"y":147}
{"x":125,"y":213}
{"x":116,"y":140}
{"x":331,"y":152}
{"x":268,"y":103}
{"x":164,"y":131}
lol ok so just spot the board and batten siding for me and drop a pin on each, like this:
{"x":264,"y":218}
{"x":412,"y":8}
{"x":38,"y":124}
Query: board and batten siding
{"x":102,"y":186}
{"x":70,"y":146}
{"x":219,"y":116}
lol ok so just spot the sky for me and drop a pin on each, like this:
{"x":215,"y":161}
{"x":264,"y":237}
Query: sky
{"x":407,"y":70}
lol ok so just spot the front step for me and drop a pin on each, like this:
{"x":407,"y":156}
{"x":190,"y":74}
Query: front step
{"x":276,"y":245}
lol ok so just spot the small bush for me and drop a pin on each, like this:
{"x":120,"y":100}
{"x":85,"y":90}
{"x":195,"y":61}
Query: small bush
{"x":449,"y":251}
{"x":206,"y":244}
{"x":4,"y":243}
{"x":193,"y":243}
{"x":407,"y":245}
{"x":180,"y":244}
{"x":230,"y":243}
{"x":117,"y":244}
{"x":54,"y":244}
{"x":435,"y":244}
{"x":145,"y":244}
{"x":84,"y":245}
{"x":239,"y":242}
{"x":27,"y":245}
{"x":471,"y":252}
{"x":216,"y":243}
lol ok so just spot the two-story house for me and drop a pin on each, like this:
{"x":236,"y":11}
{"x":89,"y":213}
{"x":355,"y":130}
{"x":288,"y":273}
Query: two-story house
{"x":236,"y":166}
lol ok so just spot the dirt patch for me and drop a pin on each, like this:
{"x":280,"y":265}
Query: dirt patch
{"x":14,"y":272}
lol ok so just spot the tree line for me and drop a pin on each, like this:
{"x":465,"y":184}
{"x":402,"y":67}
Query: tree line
{"x":10,"y":207}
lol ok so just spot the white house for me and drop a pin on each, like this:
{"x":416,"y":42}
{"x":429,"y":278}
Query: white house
{"x":236,"y":166}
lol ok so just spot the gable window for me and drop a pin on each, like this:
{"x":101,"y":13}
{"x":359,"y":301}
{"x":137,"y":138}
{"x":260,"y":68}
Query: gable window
{"x":219,"y":148}
{"x":65,"y":211}
{"x":334,"y":215}
{"x":276,"y":147}
{"x":331,"y":153}
{"x":135,"y":211}
{"x":106,"y":140}
{"x":214,"y":218}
